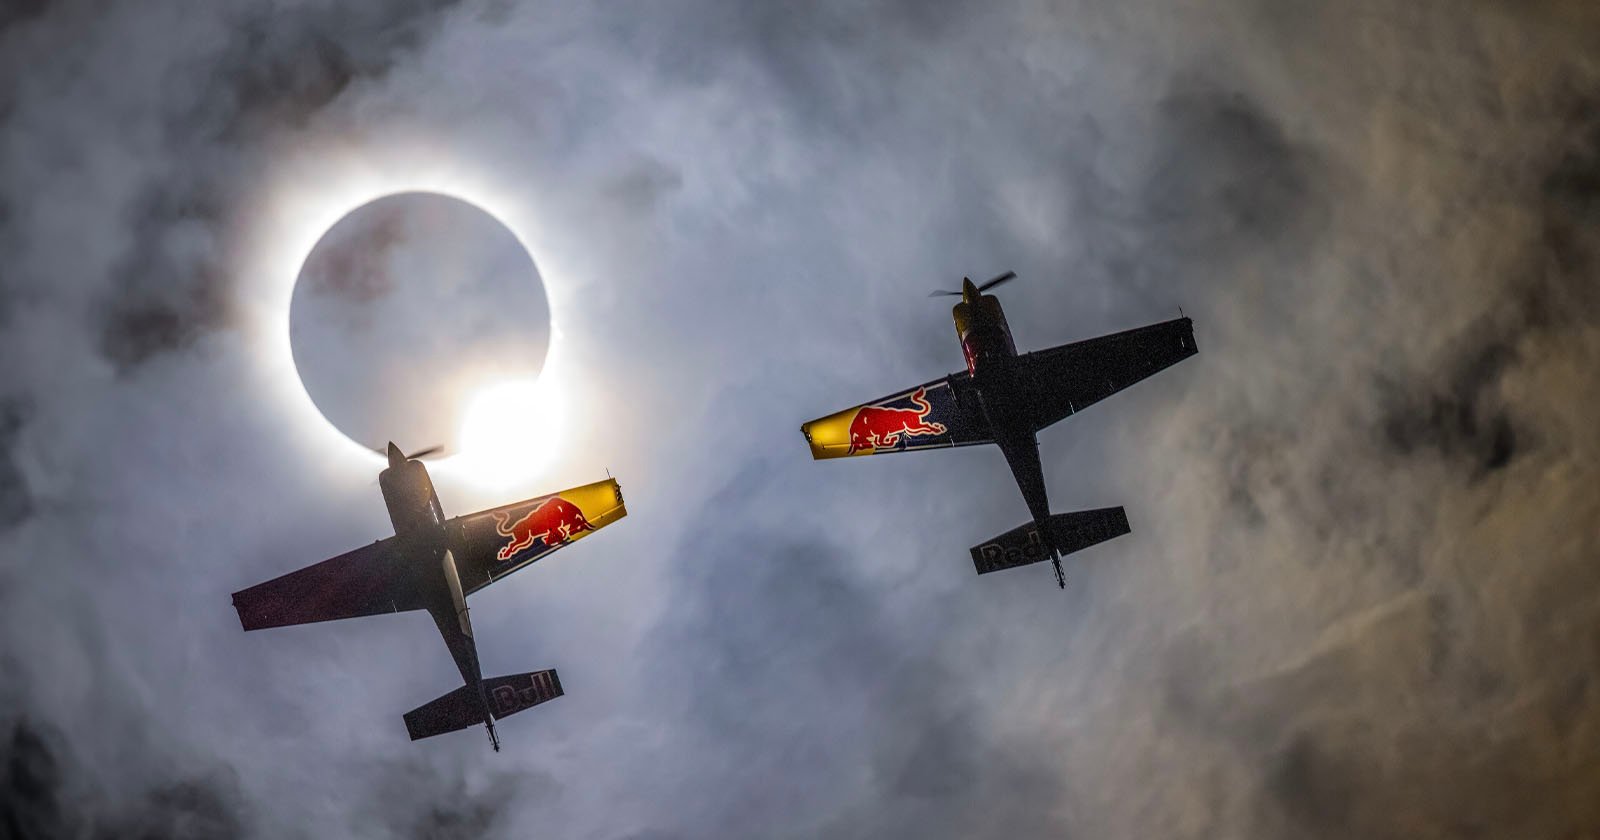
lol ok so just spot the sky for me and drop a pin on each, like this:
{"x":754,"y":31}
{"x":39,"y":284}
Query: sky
{"x":1362,"y":592}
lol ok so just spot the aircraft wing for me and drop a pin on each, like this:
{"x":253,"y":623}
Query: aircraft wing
{"x":490,"y":544}
{"x":366,"y":581}
{"x":1064,"y":380}
{"x":934,"y":414}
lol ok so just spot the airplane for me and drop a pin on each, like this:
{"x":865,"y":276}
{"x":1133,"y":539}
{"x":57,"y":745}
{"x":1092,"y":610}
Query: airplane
{"x":1005,"y":399}
{"x":432,"y":563}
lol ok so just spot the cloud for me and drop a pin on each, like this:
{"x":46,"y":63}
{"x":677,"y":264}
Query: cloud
{"x":29,"y":807}
{"x":15,"y":503}
{"x":40,"y":799}
{"x":199,"y":118}
{"x":1358,"y":599}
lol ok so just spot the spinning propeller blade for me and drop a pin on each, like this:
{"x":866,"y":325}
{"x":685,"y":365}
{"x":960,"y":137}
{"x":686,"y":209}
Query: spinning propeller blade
{"x":396,"y":457}
{"x":987,"y":285}
{"x":995,"y":281}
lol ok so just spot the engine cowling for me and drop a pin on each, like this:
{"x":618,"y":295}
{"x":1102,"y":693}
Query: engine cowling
{"x":413,"y":506}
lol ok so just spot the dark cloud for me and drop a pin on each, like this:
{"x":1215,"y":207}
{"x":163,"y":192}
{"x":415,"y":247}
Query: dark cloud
{"x":415,"y":800}
{"x":1459,"y":410}
{"x":273,"y":73}
{"x":169,"y":288}
{"x":15,"y":501}
{"x":20,"y":12}
{"x":188,"y":809}
{"x":1225,"y":177}
{"x":46,"y":794}
{"x":278,"y":71}
{"x":1466,"y":420}
{"x":642,"y":187}
{"x":1570,"y":215}
{"x":40,"y":800}
{"x":1317,"y":786}
{"x":30,"y":805}
{"x":828,"y":61}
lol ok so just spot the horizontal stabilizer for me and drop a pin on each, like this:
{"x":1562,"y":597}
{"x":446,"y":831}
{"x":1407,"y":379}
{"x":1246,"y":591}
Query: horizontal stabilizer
{"x":457,"y":710}
{"x":1069,"y":531}
{"x":509,"y":695}
{"x":460,"y":708}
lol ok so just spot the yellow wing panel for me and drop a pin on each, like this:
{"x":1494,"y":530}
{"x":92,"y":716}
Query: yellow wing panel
{"x":830,"y":436}
{"x":491,"y":544}
{"x":926,"y":417}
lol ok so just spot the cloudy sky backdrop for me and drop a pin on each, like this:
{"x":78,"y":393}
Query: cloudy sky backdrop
{"x":1362,"y":593}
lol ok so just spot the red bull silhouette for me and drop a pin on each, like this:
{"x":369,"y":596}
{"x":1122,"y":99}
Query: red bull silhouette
{"x":432,"y":563}
{"x":1005,"y":398}
{"x":554,"y":521}
{"x":883,"y":428}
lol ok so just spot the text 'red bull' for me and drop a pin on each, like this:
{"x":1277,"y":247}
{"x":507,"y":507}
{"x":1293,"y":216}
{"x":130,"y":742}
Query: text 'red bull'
{"x":882,"y":428}
{"x":554,"y":521}
{"x":510,"y":699}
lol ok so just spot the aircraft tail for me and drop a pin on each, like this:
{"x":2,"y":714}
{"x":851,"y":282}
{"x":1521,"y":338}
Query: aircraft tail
{"x":461,"y":708}
{"x":1062,"y":534}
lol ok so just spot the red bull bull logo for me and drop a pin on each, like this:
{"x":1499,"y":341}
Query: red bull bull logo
{"x":883,"y":428}
{"x":552,"y":522}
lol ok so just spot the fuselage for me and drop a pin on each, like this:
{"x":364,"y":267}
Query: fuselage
{"x":419,"y":526}
{"x":991,"y":356}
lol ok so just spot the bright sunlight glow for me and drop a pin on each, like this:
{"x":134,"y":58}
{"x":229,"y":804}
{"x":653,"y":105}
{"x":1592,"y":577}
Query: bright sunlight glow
{"x":505,"y":432}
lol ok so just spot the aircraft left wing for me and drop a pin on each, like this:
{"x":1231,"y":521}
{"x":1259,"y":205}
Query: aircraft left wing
{"x":934,"y":414}
{"x":490,"y":544}
{"x":1064,"y":380}
{"x":365,"y":581}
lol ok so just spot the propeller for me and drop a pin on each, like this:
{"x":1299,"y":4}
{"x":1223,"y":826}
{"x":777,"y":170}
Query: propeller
{"x":995,"y":281}
{"x":396,"y":457}
{"x":987,"y":284}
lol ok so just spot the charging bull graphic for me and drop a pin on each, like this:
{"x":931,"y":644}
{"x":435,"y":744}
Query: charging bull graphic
{"x":553,"y":521}
{"x":883,"y":428}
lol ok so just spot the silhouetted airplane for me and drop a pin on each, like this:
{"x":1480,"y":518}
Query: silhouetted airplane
{"x":1005,"y":399}
{"x":433,"y":564}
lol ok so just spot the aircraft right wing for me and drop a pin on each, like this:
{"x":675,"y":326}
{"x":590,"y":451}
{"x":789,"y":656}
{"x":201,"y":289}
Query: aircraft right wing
{"x":934,"y":414}
{"x":1064,"y":380}
{"x":490,"y":544}
{"x":366,"y":581}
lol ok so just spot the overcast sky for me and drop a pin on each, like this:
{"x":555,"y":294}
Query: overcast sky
{"x":1362,"y":592}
